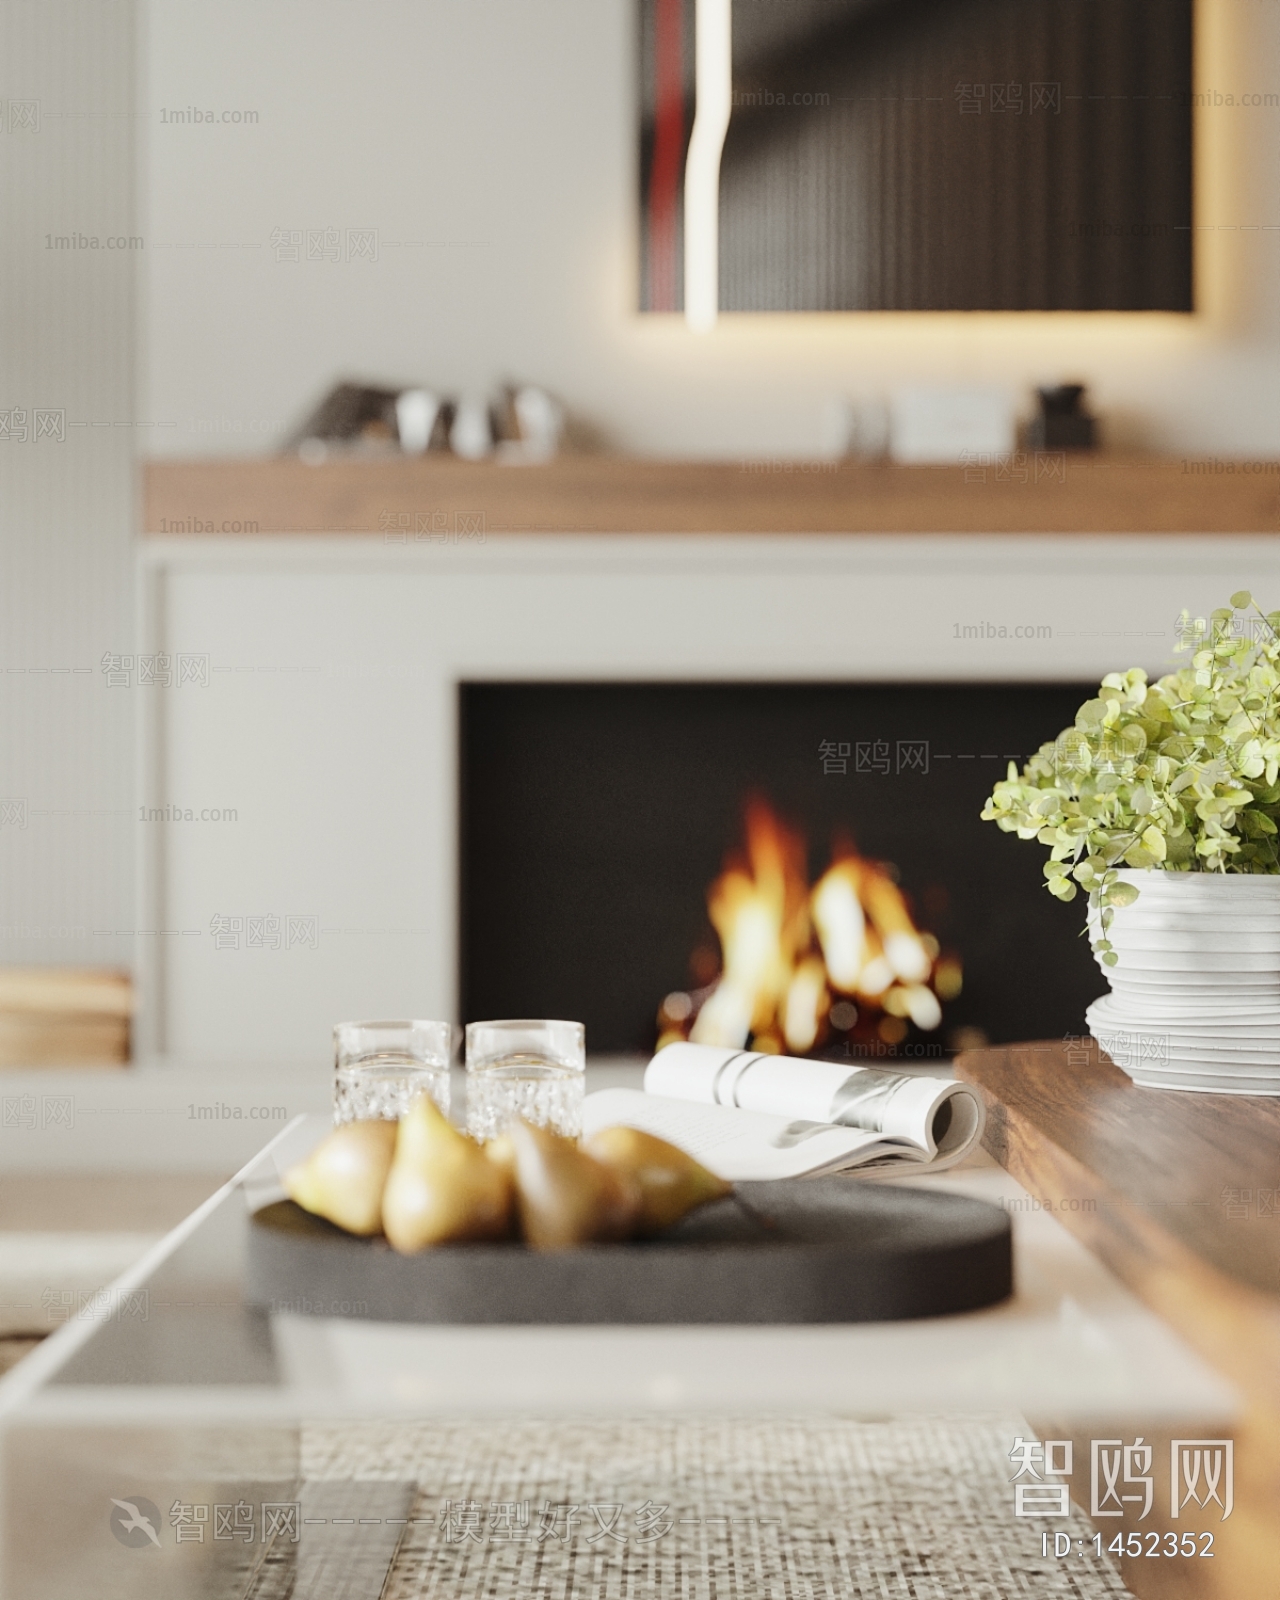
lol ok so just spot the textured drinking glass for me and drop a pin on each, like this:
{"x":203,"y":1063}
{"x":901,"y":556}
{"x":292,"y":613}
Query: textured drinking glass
{"x":528,"y":1069}
{"x":380,"y":1068}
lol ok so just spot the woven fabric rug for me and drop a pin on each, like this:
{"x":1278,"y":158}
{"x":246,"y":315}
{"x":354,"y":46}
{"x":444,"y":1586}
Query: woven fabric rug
{"x":912,"y":1508}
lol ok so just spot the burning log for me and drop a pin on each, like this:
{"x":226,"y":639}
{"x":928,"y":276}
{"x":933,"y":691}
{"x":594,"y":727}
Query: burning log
{"x":799,"y":963}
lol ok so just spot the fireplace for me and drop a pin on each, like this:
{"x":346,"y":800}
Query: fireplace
{"x":596,"y":817}
{"x":614,"y":702}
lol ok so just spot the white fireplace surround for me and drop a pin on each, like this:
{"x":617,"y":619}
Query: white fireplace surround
{"x":328,"y":725}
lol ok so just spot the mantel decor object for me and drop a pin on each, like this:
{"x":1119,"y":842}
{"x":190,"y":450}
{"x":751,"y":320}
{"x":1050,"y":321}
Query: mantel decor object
{"x":1062,"y":422}
{"x":1162,"y":803}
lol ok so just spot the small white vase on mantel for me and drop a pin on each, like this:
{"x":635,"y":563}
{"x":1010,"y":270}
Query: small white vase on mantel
{"x":1195,"y":992}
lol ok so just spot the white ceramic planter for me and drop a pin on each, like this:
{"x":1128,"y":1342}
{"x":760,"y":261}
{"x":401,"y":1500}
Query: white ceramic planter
{"x":1195,"y":994}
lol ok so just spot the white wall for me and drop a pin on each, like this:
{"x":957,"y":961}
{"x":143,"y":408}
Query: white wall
{"x":491,"y":143}
{"x":67,"y":168}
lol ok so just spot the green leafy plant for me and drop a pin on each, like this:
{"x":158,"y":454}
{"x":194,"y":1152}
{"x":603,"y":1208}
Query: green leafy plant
{"x":1181,"y":774}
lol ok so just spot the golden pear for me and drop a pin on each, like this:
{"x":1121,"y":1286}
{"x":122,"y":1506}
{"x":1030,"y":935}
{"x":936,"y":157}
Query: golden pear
{"x":502,"y":1151}
{"x":442,"y":1188}
{"x":343,"y":1177}
{"x":565,"y":1197}
{"x":671,"y":1181}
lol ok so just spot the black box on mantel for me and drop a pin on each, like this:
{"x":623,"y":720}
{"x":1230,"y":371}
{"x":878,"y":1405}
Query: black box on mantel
{"x":1062,"y":422}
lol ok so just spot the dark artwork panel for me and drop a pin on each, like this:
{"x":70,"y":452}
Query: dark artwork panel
{"x":937,"y":155}
{"x":595,"y":817}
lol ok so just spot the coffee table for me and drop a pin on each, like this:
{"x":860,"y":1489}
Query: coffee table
{"x":172,"y":1388}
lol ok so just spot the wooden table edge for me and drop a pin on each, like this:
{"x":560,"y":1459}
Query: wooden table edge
{"x":1234,"y":1327}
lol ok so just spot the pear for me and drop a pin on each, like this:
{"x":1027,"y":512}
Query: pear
{"x":671,"y":1181}
{"x":343,"y":1177}
{"x":565,"y":1197}
{"x":502,"y":1151}
{"x":442,"y":1188}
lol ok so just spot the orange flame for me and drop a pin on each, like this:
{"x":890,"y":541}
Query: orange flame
{"x":798,"y":962}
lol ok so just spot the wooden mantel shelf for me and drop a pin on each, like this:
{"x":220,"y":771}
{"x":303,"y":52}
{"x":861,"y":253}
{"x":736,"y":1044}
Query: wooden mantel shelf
{"x":604,"y":494}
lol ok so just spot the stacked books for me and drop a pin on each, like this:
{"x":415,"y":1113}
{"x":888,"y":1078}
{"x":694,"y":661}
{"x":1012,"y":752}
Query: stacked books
{"x":64,"y":1016}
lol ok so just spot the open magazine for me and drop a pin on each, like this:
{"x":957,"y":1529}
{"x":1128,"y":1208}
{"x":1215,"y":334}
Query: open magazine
{"x":747,"y":1116}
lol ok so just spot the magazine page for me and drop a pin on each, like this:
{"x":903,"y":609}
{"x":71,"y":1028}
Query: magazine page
{"x":743,"y":1145}
{"x":941,"y":1116}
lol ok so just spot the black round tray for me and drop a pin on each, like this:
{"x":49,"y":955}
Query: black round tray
{"x":809,"y":1250}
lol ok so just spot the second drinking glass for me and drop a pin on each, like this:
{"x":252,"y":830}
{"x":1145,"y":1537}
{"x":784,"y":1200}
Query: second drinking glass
{"x":525,"y":1068}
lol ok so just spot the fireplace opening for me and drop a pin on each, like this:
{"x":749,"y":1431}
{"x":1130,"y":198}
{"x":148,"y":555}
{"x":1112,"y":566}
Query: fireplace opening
{"x":797,"y":867}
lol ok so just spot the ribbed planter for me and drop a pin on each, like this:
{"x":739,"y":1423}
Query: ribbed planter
{"x":1195,"y":994}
